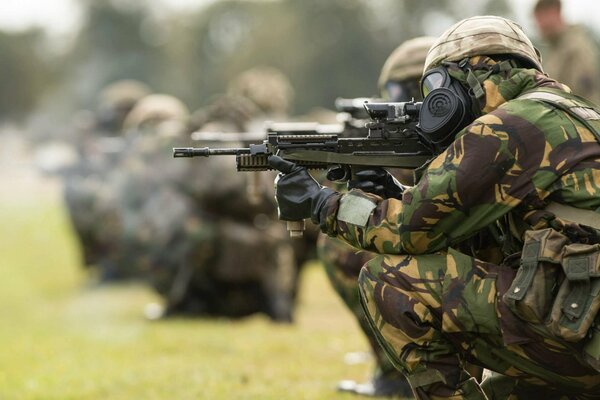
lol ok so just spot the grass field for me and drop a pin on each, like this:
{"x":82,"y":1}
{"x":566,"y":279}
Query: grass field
{"x":64,"y":338}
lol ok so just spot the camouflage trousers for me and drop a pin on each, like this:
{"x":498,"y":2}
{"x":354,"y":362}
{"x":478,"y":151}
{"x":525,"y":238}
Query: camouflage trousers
{"x":434,"y":313}
{"x":343,"y":264}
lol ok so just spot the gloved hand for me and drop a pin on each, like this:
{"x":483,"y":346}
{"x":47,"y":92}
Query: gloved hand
{"x":298,"y":195}
{"x":377,"y":181}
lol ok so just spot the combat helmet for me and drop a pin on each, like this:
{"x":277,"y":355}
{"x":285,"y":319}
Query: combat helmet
{"x":155,"y":109}
{"x":406,"y":61}
{"x":483,"y":35}
{"x":123,"y":94}
{"x":266,"y":87}
{"x":116,"y":100}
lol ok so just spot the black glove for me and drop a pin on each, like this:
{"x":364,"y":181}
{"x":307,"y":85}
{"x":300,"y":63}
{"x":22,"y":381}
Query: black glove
{"x":377,"y":181}
{"x":298,"y":195}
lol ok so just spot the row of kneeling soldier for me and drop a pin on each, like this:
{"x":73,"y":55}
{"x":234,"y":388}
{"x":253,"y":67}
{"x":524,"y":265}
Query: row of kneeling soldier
{"x":187,"y":229}
{"x":489,"y":260}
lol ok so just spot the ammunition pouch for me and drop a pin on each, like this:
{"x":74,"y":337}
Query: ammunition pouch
{"x":558,"y":285}
{"x":532,"y":292}
{"x":578,"y":299}
{"x":574,"y":309}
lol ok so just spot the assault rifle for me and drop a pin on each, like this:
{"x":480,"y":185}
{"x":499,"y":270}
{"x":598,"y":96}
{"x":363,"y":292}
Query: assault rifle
{"x":352,"y":117}
{"x":392,"y":140}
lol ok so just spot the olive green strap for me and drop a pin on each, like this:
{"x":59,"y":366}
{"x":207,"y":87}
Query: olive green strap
{"x":569,"y":213}
{"x":524,"y":278}
{"x":575,"y":302}
{"x":425,"y":378}
{"x":577,"y":271}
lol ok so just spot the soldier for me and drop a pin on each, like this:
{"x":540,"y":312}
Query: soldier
{"x":116,"y":101}
{"x":572,"y":56}
{"x":88,"y":195}
{"x":244,"y":260}
{"x":399,"y":81}
{"x":267,"y":88}
{"x":155,"y":110}
{"x":519,"y":156}
{"x":152,"y":224}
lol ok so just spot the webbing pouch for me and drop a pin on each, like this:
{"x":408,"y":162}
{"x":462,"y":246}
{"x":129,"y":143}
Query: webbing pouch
{"x":578,"y":299}
{"x":531,"y":293}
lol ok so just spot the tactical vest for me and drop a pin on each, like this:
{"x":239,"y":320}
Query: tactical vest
{"x":570,"y":314}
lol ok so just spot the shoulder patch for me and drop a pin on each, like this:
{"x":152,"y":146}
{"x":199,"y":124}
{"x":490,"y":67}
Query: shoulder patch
{"x":355,"y":209}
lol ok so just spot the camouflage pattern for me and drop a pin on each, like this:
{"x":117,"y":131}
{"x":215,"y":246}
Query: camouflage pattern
{"x":235,"y":258}
{"x":156,"y":220}
{"x":250,"y":266}
{"x":433,"y":307}
{"x":88,"y":192}
{"x":451,"y":314}
{"x":406,"y":61}
{"x":572,"y":58}
{"x":484,"y":35}
{"x":342,"y":263}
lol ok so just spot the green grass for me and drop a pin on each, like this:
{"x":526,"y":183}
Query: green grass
{"x":63,"y":338}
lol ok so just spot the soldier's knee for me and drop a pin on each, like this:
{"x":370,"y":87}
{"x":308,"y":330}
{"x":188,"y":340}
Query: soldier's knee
{"x":378,"y":282}
{"x":370,"y":276}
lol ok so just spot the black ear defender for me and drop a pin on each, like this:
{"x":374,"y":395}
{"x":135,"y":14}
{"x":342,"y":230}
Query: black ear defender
{"x":447,"y":108}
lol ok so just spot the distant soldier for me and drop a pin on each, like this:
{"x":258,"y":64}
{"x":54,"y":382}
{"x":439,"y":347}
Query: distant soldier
{"x":268,"y":88}
{"x":572,"y":57}
{"x":115,"y":102}
{"x":398,"y":81}
{"x":153,"y":215}
{"x":244,"y":261}
{"x":88,"y":196}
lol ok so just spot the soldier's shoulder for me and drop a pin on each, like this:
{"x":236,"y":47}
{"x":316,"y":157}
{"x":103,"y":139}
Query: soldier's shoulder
{"x":512,"y":112}
{"x":514,"y":119}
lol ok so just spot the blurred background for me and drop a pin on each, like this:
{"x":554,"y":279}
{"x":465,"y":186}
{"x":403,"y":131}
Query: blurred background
{"x":60,"y":336}
{"x":57,"y":55}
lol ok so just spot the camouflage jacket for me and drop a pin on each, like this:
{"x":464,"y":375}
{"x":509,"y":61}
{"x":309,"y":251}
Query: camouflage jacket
{"x":519,"y":155}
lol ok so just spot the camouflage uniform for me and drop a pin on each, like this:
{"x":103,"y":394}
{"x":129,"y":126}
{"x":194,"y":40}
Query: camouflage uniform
{"x":342,"y":263}
{"x":432,"y":306}
{"x":155,"y":220}
{"x":88,"y":194}
{"x":250,"y":267}
{"x":244,"y":262}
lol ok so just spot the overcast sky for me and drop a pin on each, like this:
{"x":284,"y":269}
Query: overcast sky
{"x":63,"y":16}
{"x":60,"y":16}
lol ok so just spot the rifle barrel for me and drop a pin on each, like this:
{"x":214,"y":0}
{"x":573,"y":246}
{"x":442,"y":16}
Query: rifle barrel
{"x":207,"y":151}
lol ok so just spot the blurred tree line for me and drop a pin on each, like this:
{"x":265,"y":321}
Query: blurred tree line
{"x":328,"y":48}
{"x":23,"y":71}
